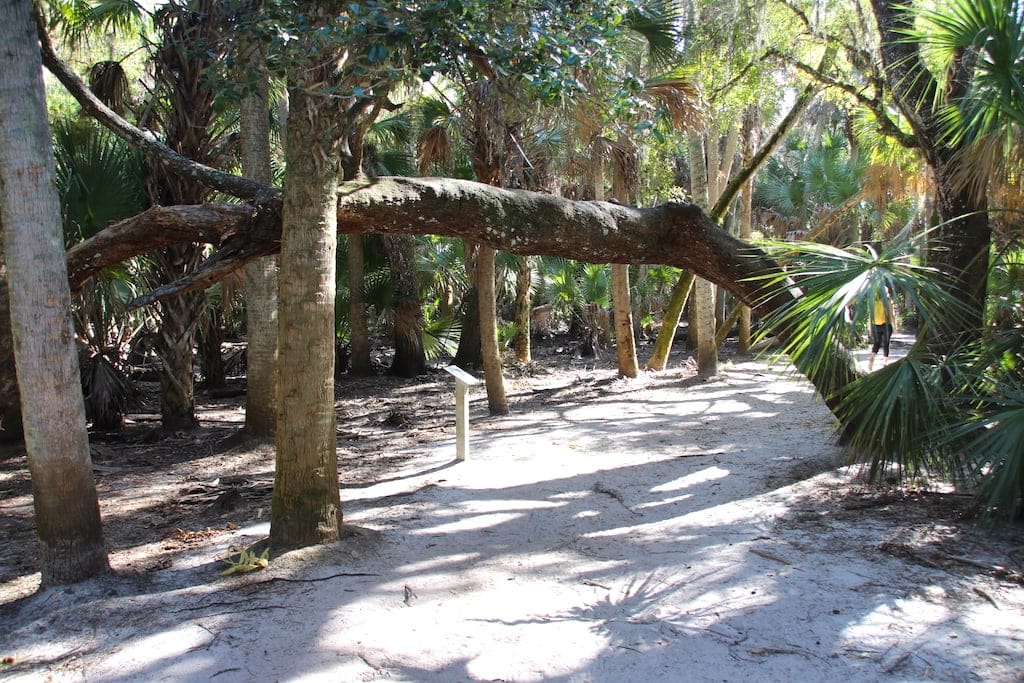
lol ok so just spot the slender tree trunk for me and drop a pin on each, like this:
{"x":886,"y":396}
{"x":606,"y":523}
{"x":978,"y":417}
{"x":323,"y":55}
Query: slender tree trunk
{"x":360,"y":364}
{"x":306,"y":507}
{"x":524,"y":288}
{"x":410,"y":359}
{"x":624,"y":175}
{"x":489,"y":141}
{"x":673,"y":313}
{"x":751,"y":130}
{"x":497,"y":403}
{"x":260,"y":276}
{"x":66,"y":508}
{"x":625,"y":343}
{"x":702,"y":328}
{"x":469,"y":355}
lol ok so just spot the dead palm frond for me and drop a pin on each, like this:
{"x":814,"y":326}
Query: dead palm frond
{"x":434,"y":149}
{"x":679,"y":96}
{"x":108,"y":392}
{"x":110,"y":83}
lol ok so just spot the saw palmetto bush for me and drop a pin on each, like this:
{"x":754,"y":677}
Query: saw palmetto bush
{"x":99,"y":180}
{"x":958,"y":416}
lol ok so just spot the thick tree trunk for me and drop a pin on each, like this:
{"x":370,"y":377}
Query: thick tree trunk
{"x":410,"y":359}
{"x":306,"y":507}
{"x":676,"y":234}
{"x":963,"y":239}
{"x":66,"y":508}
{"x":260,"y":276}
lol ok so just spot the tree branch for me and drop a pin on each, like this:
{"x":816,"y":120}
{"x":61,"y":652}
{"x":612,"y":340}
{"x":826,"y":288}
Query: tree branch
{"x":744,"y":174}
{"x":236,"y":186}
{"x":885,"y":123}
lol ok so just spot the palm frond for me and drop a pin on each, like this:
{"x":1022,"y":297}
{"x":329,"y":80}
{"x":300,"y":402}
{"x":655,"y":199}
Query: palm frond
{"x":679,"y":95}
{"x":828,"y":281}
{"x":441,"y":337}
{"x":658,"y":22}
{"x":994,"y":446}
{"x":897,"y":418}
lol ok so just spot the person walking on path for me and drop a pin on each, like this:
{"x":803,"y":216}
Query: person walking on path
{"x":883,"y":324}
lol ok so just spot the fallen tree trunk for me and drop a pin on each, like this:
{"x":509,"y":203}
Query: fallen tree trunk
{"x":517,"y":221}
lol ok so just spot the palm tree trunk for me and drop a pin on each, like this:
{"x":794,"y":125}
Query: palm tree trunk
{"x":497,"y":403}
{"x":360,"y":364}
{"x":410,"y":358}
{"x":64,"y":495}
{"x":260,"y":276}
{"x":702,"y":328}
{"x":524,"y":286}
{"x":306,"y":506}
{"x":179,"y":318}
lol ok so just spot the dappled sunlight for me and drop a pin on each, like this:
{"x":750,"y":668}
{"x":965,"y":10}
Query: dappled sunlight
{"x":440,"y":563}
{"x":708,"y":474}
{"x":663,"y":534}
{"x":468,"y":523}
{"x":161,"y":655}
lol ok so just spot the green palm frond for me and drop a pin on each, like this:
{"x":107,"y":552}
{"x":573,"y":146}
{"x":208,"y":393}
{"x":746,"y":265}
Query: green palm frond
{"x":560,"y":286}
{"x":994,"y":31}
{"x":394,"y":162}
{"x":897,"y":418}
{"x":81,"y":18}
{"x":658,"y":22}
{"x":826,"y":282}
{"x":441,"y":337}
{"x":99,"y":178}
{"x":392,"y":131}
{"x":994,"y":446}
{"x":596,"y":284}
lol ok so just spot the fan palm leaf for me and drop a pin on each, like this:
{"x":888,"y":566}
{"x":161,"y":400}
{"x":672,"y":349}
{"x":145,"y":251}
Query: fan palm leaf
{"x":828,"y":281}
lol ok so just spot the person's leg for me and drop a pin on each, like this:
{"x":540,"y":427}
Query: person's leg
{"x":876,"y":343}
{"x":886,"y":338}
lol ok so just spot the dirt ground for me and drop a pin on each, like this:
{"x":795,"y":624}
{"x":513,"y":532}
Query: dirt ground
{"x":664,"y":528}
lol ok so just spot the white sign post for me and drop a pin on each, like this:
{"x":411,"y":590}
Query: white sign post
{"x":463,"y":381}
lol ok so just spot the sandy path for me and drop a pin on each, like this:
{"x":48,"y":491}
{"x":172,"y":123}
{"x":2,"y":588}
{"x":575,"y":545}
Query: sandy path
{"x":664,"y":530}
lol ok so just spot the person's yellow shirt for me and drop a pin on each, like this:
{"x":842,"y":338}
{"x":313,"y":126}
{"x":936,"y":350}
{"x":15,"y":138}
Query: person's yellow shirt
{"x":880,"y":316}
